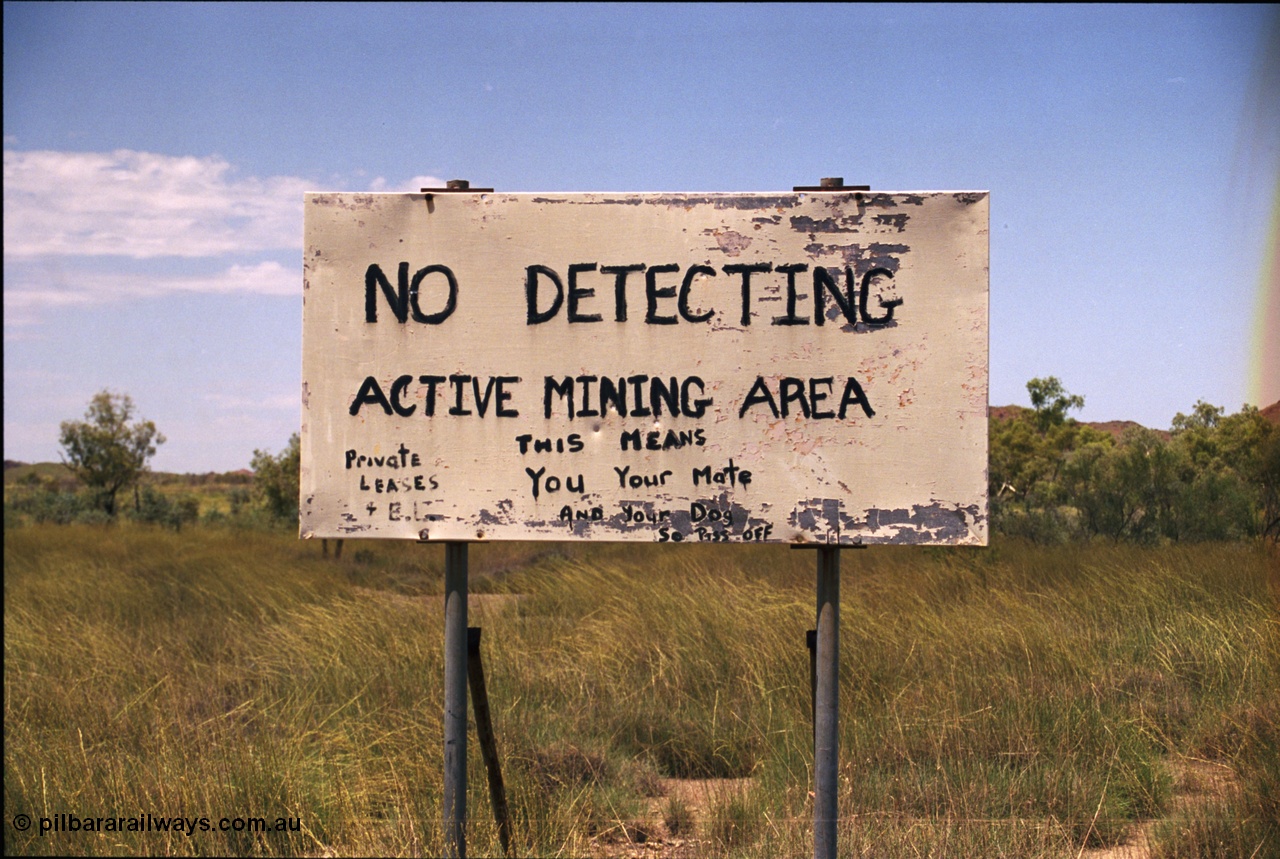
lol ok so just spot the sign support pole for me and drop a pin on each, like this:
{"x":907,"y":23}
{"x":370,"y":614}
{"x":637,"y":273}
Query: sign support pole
{"x":455,"y":663}
{"x":824,"y":673}
{"x":488,"y":743}
{"x":825,"y":664}
{"x":455,"y":699}
{"x":826,"y":738}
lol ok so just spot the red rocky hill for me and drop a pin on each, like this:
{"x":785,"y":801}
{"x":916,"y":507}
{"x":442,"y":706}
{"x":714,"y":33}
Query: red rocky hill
{"x":1114,"y":428}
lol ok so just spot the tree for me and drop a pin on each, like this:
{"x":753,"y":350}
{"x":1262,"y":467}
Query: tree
{"x":1214,"y":476}
{"x":1051,"y":402}
{"x":1201,"y":482}
{"x":1203,"y":416}
{"x":1269,"y":484}
{"x":105,"y":451}
{"x":1029,"y":490}
{"x":275,"y":479}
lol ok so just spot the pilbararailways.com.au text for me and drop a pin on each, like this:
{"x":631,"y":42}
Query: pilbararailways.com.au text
{"x":69,"y":823}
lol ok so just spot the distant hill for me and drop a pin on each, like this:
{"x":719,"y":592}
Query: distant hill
{"x":1005,"y":413}
{"x":16,"y":472}
{"x":1115,"y":428}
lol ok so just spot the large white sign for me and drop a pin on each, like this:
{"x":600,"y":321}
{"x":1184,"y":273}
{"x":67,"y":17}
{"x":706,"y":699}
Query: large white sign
{"x":771,"y":367}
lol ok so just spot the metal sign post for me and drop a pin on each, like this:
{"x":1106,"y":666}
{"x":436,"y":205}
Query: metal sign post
{"x":488,"y":740}
{"x":826,"y":682}
{"x":826,"y":739}
{"x":825,"y":678}
{"x":455,"y":698}
{"x":455,"y":670}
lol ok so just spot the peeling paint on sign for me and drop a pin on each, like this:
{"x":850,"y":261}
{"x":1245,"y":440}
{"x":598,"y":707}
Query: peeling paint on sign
{"x":770,"y":367}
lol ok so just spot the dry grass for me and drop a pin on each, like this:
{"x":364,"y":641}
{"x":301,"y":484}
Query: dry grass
{"x":1017,"y":701}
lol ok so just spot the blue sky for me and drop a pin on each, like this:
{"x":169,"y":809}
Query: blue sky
{"x":156,"y":156}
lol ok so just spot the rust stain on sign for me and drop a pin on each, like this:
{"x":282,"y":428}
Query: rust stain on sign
{"x":736,"y":368}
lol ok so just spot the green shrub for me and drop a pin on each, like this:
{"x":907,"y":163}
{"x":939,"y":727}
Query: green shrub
{"x":156,"y":508}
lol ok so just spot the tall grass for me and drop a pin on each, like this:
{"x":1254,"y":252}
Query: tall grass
{"x":1016,"y":701}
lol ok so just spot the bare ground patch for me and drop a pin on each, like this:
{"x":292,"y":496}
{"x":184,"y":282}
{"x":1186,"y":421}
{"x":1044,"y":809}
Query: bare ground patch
{"x":1195,"y":784}
{"x":674,"y":824}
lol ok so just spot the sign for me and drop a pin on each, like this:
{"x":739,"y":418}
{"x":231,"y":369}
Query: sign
{"x":768,"y":367}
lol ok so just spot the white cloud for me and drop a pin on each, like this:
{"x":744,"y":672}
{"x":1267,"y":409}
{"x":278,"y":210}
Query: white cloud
{"x":63,"y":210}
{"x":265,"y":278}
{"x":414,"y":185}
{"x":25,"y":299}
{"x":144,"y":205}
